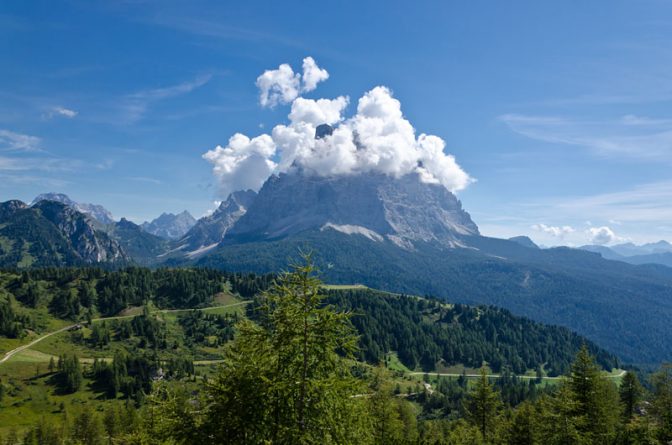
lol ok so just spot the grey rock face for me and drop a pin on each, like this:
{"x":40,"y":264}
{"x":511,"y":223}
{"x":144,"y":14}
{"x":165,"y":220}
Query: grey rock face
{"x":91,"y":245}
{"x":95,"y":211}
{"x":323,"y":130}
{"x":401,"y":209}
{"x":210,"y":230}
{"x":170,"y":226}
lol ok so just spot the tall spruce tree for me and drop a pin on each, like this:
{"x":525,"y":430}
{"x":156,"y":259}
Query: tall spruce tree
{"x":630,"y":393}
{"x":483,"y":405}
{"x":287,"y":379}
{"x":596,"y":399}
{"x":662,"y":401}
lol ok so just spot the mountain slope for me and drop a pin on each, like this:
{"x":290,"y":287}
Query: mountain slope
{"x":52,"y":234}
{"x":144,"y":248}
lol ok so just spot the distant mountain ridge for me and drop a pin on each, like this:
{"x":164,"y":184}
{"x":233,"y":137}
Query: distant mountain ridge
{"x":169,"y":225}
{"x":96,"y":211}
{"x":651,"y":253}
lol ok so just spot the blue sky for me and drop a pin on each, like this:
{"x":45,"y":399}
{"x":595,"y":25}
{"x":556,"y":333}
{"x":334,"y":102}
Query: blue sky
{"x":559,"y":110}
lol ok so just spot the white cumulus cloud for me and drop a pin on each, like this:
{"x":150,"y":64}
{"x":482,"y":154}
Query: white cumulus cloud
{"x":376,"y":139}
{"x":602,"y":235}
{"x":312,"y":75}
{"x":283,"y":85}
{"x":556,"y":231}
{"x":243,"y":164}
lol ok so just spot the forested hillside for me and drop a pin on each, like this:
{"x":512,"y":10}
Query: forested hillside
{"x":424,"y":333}
{"x":289,"y":375}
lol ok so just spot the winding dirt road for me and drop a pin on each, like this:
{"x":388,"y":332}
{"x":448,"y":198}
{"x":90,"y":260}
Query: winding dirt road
{"x":15,"y":351}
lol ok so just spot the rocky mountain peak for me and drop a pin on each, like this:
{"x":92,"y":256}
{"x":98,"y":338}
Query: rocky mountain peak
{"x":400,"y":209}
{"x":95,"y":211}
{"x":210,"y":230}
{"x":169,"y":225}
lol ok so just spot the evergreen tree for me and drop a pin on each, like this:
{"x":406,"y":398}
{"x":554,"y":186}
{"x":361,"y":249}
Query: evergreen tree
{"x":557,"y":421}
{"x":483,"y":405}
{"x":523,"y":428}
{"x":87,"y":428}
{"x":662,"y":401}
{"x":71,"y":373}
{"x":387,"y":424}
{"x":630,"y":394}
{"x":596,"y":399}
{"x":283,"y":380}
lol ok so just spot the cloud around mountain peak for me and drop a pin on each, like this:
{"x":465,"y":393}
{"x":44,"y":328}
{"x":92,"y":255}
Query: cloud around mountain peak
{"x":377,"y":138}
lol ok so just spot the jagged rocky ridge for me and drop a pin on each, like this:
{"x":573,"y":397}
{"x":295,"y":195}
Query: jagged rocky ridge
{"x":95,"y":211}
{"x":402,"y":210}
{"x":210,"y":230}
{"x":169,"y":225}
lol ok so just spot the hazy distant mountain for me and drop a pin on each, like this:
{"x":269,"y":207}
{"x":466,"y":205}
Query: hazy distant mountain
{"x":630,"y":249}
{"x":664,"y":258}
{"x":606,"y":252}
{"x":170,"y":226}
{"x":97,"y":212}
{"x":652,"y":253}
{"x":524,"y":241}
{"x":210,"y":230}
{"x":50,"y":233}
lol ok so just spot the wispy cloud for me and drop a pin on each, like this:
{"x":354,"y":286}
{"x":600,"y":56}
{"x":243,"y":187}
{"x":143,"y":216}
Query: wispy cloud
{"x":219,"y":30}
{"x":644,"y":203}
{"x":144,"y":179}
{"x":11,"y":141}
{"x":134,"y":106}
{"x":60,"y":112}
{"x":21,"y":179}
{"x":43,"y":164}
{"x":630,"y":136}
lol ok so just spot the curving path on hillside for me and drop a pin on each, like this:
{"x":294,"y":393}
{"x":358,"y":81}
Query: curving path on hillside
{"x":15,"y":351}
